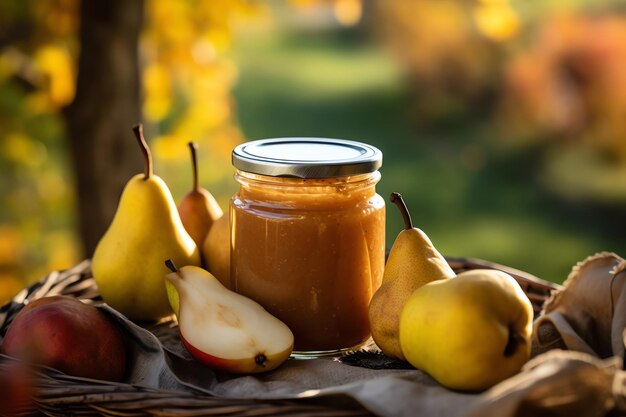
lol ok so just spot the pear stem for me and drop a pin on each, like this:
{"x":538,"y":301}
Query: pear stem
{"x":170,"y":265}
{"x":193,"y":147}
{"x":138,"y":131}
{"x":397,"y":199}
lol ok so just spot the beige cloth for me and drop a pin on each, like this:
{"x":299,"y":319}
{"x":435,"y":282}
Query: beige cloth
{"x":587,"y":317}
{"x":589,"y":314}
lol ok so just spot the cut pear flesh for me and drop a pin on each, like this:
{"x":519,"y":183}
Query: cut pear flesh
{"x":227,"y":330}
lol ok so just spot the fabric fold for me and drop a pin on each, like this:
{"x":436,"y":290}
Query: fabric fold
{"x":577,"y":365}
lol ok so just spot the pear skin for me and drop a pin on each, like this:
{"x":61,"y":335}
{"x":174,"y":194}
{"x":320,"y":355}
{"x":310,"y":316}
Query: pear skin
{"x":127,"y":264}
{"x":198,"y":209}
{"x":225,"y":330}
{"x":216,"y":250}
{"x":469,"y":333}
{"x":413,"y":262}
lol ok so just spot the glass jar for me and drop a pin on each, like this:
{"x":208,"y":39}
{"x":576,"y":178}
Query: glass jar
{"x":308,"y":236}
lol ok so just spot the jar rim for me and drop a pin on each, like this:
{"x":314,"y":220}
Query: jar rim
{"x":304,"y":157}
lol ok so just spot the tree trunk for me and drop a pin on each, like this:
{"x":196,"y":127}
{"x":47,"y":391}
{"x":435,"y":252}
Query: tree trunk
{"x":106,"y":106}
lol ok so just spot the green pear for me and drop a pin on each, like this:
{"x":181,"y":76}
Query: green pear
{"x":412,"y":263}
{"x":127,"y":264}
{"x":470,"y":332}
{"x":198,"y":209}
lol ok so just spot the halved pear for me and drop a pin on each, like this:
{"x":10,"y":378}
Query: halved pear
{"x":225,"y":330}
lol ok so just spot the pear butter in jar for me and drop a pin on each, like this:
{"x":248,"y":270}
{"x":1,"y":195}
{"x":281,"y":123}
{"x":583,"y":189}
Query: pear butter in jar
{"x":308,"y":236}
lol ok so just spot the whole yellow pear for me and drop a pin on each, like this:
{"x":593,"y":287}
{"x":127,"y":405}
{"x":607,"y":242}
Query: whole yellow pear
{"x":127,"y":264}
{"x":198,"y":209}
{"x":216,"y":250}
{"x":469,"y":332}
{"x":412,"y":263}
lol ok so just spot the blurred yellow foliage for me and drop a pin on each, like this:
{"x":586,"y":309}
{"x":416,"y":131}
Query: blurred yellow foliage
{"x":448,"y":62}
{"x":9,"y":287}
{"x":170,"y":148}
{"x":186,"y":81}
{"x":56,"y":19}
{"x":61,"y":250}
{"x":427,"y":32}
{"x":11,"y":249}
{"x":569,"y":82}
{"x":158,"y":91}
{"x":10,"y":245}
{"x":56,"y":67}
{"x":496,"y":19}
{"x":21,"y":149}
{"x":303,"y":3}
{"x":348,"y":12}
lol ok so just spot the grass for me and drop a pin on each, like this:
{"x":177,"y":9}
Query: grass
{"x":469,"y":198}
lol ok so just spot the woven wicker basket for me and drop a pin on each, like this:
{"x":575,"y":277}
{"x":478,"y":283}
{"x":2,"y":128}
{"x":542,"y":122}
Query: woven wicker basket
{"x":58,"y":394}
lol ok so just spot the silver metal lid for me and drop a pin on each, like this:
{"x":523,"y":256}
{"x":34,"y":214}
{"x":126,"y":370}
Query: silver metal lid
{"x":306,"y":157}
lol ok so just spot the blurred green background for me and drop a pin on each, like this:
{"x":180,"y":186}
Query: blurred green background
{"x":503,"y":123}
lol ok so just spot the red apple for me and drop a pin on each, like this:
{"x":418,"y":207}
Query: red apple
{"x":63,"y":333}
{"x":16,"y":394}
